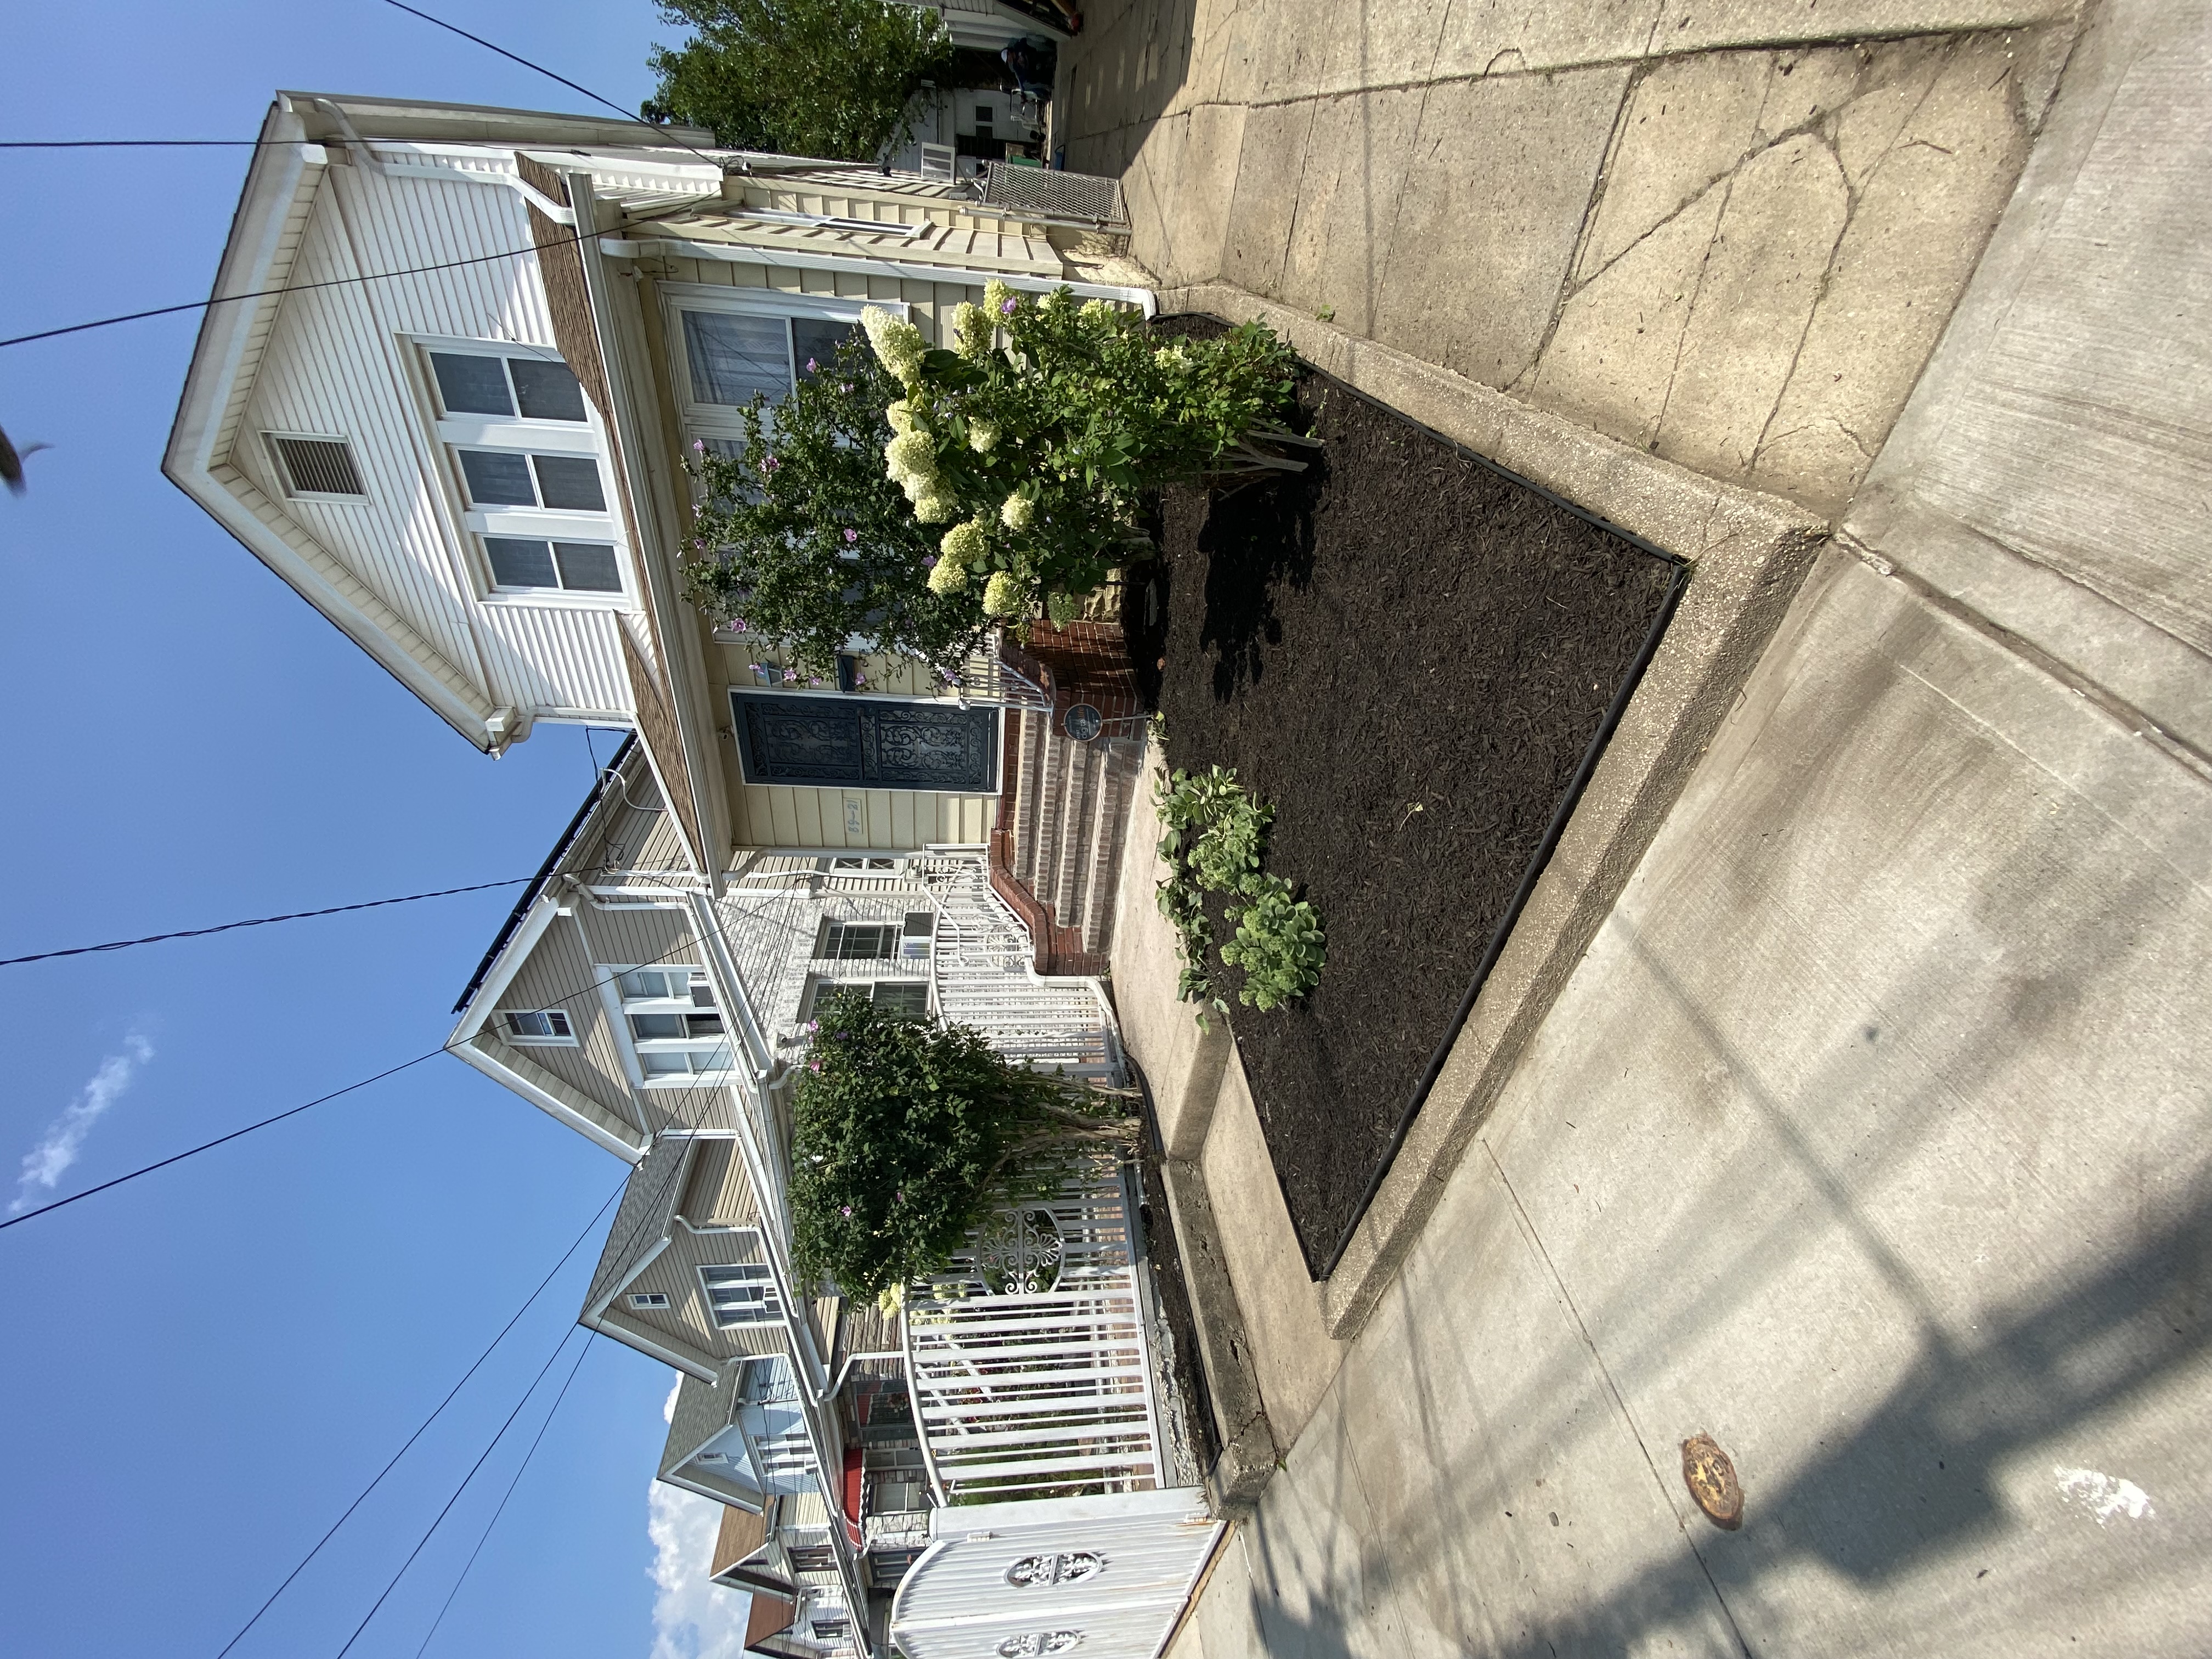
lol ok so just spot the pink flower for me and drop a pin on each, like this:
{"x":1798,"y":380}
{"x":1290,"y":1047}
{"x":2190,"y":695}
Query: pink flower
{"x":929,"y":562}
{"x":859,"y":678}
{"x":852,"y":536}
{"x":790,"y":676}
{"x":846,"y":1210}
{"x":810,"y":366}
{"x":739,"y":624}
{"x":698,"y":446}
{"x":1007,"y":308}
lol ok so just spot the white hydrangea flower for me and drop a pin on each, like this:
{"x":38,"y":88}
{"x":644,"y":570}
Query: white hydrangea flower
{"x":901,"y":417}
{"x":982,"y":437}
{"x":932,"y":509}
{"x":1096,"y":311}
{"x":998,"y":299}
{"x":947,"y":576}
{"x":911,"y":455}
{"x":963,"y":544}
{"x":971,"y":330}
{"x":899,"y":345}
{"x":1002,"y":595}
{"x":1018,"y":512}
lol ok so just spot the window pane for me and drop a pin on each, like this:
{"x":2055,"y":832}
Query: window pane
{"x":734,"y":356}
{"x":657,"y":1028}
{"x":529,"y":1025}
{"x":588,"y":568}
{"x":642,"y":982}
{"x":519,"y":564}
{"x":471,"y":386}
{"x":702,"y":1026}
{"x":548,"y":392}
{"x":716,"y":1059}
{"x":497,"y":479}
{"x":664,"y":1062}
{"x":570,"y":484}
{"x":816,"y":339}
{"x":902,"y":996}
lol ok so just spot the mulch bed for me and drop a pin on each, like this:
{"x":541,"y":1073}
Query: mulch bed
{"x":1409,"y":655}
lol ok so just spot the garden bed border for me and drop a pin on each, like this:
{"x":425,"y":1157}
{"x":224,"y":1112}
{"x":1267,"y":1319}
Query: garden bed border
{"x":1749,"y":552}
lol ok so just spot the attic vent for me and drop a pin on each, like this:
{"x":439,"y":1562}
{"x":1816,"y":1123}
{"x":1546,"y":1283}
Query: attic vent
{"x":317,"y":466}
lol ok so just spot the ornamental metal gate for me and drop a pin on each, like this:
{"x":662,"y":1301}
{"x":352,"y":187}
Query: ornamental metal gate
{"x":1103,"y":1578}
{"x":1027,"y":1358}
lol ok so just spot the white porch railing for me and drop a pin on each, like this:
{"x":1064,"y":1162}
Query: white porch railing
{"x":1026,"y":1358}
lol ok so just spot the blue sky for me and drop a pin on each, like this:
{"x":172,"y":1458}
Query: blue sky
{"x":203,"y":1368}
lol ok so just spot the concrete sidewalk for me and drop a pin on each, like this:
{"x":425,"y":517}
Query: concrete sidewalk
{"x":1874,"y":1134}
{"x":1727,"y":235}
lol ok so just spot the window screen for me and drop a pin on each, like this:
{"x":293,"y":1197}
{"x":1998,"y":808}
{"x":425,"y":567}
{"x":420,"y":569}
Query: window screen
{"x":735,"y":356}
{"x":857,"y":941}
{"x":570,"y":483}
{"x":317,"y":466}
{"x":509,"y":477}
{"x":473,"y":383}
{"x":576,"y":567}
{"x":815,"y":340}
{"x":902,"y":996}
{"x":545,"y":1023}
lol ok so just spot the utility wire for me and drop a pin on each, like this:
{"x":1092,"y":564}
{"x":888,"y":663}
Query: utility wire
{"x":257,"y":922}
{"x":484,"y":1537}
{"x":209,"y":1146}
{"x":424,"y":1426}
{"x":141,"y":143}
{"x":421,"y":1542}
{"x":516,"y":58}
{"x":336,"y":281}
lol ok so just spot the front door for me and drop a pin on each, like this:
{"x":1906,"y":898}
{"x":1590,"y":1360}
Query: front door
{"x":875,"y":743}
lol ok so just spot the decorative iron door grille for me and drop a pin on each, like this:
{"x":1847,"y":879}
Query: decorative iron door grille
{"x":874,"y":742}
{"x":1056,"y":194}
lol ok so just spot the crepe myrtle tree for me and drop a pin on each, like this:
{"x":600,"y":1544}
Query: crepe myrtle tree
{"x":801,"y":541}
{"x":1036,"y":439}
{"x":903,"y":1131}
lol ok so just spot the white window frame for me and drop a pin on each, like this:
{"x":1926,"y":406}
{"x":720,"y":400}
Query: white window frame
{"x":650,"y":1301}
{"x":704,"y":421}
{"x":557,"y":1040}
{"x":633,"y":1047}
{"x":454,"y":433}
{"x":834,"y":926}
{"x":770,"y":1305}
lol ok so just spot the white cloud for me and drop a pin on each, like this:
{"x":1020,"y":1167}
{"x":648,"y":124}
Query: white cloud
{"x":44,"y":1164}
{"x":693,"y":1617}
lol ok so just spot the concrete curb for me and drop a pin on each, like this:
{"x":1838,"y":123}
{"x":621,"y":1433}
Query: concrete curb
{"x":1751,"y":552}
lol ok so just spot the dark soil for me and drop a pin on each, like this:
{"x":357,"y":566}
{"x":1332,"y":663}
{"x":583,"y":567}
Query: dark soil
{"x":1408,"y":655}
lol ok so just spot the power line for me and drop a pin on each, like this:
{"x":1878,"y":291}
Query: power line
{"x":516,"y":58}
{"x":295,"y":1111}
{"x":484,"y":1536}
{"x":142,"y":144}
{"x":256,"y":922}
{"x":424,"y":1426}
{"x":423,"y":1542}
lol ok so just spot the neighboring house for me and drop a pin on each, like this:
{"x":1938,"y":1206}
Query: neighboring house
{"x":472,"y":463}
{"x":1023,"y":1391}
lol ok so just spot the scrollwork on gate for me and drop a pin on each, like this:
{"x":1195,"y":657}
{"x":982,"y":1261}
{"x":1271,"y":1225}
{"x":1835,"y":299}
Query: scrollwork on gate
{"x":1036,"y":1643}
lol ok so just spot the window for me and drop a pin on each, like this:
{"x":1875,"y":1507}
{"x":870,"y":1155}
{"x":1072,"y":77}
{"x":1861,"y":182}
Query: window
{"x":559,"y":483}
{"x":917,"y":934}
{"x":574,"y":567}
{"x":860,"y":866}
{"x":317,"y":469}
{"x":532,"y":388}
{"x":857,"y":941}
{"x":649,"y":1299}
{"x":729,"y":351}
{"x":902,"y":996}
{"x":675,"y":1030}
{"x":810,"y":1558}
{"x":543,"y":1026}
{"x":741,"y":1294}
{"x":530,"y":470}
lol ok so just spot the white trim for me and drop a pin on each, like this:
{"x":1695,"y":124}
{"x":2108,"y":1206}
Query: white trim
{"x":508,"y":964}
{"x":774,"y":302}
{"x":545,"y":525}
{"x":508,"y":1077}
{"x":617,"y":247}
{"x":649,"y":1348}
{"x":659,"y":1245}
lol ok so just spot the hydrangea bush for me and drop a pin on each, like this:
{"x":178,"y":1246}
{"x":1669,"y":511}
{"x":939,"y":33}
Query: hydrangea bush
{"x":801,"y":540}
{"x":1033,"y":441}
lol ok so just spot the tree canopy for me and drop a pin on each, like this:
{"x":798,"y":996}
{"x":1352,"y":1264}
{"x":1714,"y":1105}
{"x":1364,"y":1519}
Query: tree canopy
{"x":830,"y":78}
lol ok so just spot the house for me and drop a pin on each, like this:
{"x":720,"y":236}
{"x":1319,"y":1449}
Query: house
{"x":452,"y":405}
{"x":1022,"y":1391}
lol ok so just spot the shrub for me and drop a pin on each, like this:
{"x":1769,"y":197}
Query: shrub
{"x":1044,"y":446}
{"x":803,"y":540}
{"x":903,"y":1130}
{"x":1214,"y":831}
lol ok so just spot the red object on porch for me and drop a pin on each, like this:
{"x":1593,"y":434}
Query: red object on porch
{"x":853,"y":1493}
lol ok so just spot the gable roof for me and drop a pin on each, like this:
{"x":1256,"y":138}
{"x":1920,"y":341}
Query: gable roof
{"x":742,"y":1532}
{"x":642,"y":1220}
{"x":771,"y":1615}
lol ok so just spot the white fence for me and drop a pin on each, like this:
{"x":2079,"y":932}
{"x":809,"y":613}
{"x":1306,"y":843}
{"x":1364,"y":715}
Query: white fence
{"x":1027,"y":1358}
